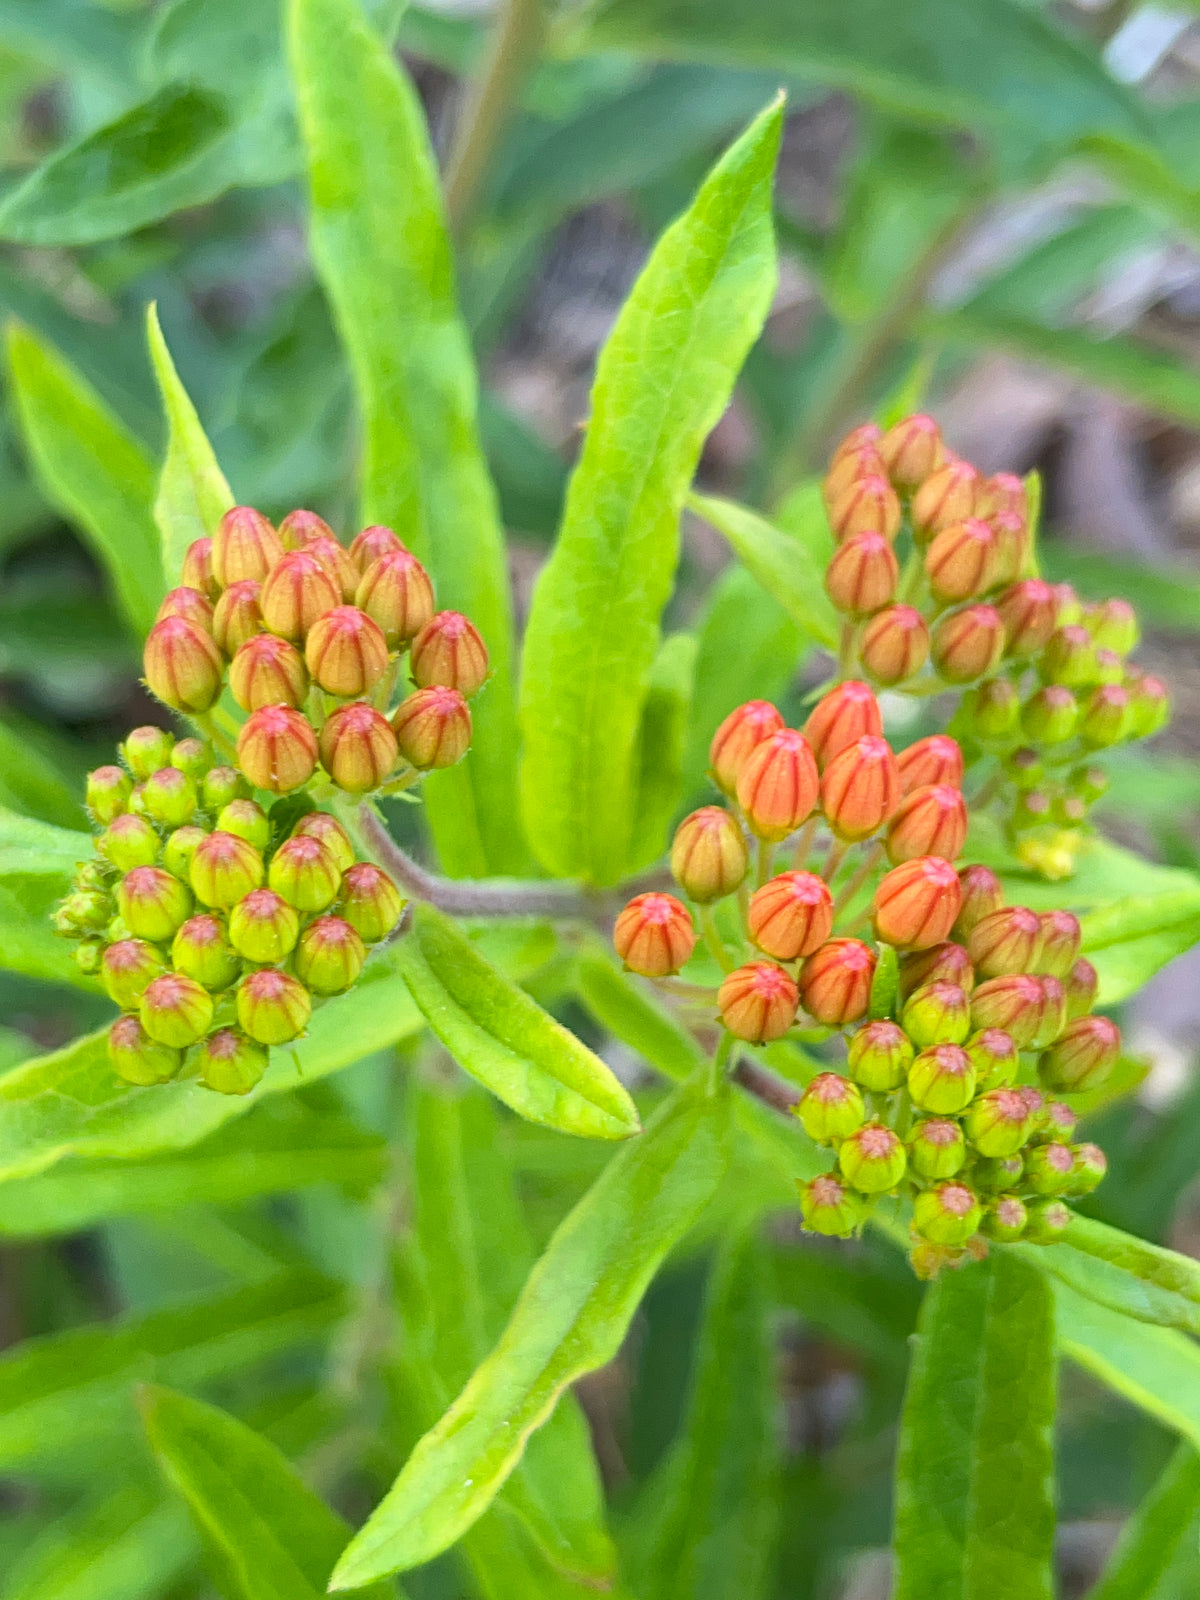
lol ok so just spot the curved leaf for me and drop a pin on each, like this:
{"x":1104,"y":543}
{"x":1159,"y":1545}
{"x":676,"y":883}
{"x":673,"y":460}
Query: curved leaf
{"x":1151,"y":1537}
{"x":37,"y":864}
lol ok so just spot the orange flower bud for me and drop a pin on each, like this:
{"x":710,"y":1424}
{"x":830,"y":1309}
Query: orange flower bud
{"x":863,"y":574}
{"x":654,"y":935}
{"x":272,"y":1006}
{"x":778,"y":785}
{"x":189,"y":604}
{"x":225,"y":868}
{"x":865,"y":437}
{"x":370,"y":902}
{"x":433,"y":728}
{"x":358,"y":748}
{"x":367,"y":547}
{"x":183,"y":666}
{"x":336,"y":562}
{"x":968,"y":644}
{"x":741,"y":732}
{"x":448,"y":651}
{"x":198,"y":569}
{"x":245,"y":545}
{"x":868,"y":505}
{"x":951,"y":494}
{"x":848,"y":468}
{"x":835,"y":982}
{"x":1052,"y":1018}
{"x":982,"y":893}
{"x":758,"y":1002}
{"x":708,"y":854}
{"x":840,"y":718}
{"x":941,"y":963}
{"x":295,"y":593}
{"x":277,"y":749}
{"x":267,"y":671}
{"x":346,"y":651}
{"x":1005,"y":491}
{"x":916,"y":903}
{"x":1012,"y":544}
{"x":860,"y":788}
{"x":894,"y":644}
{"x":928,"y":822}
{"x":1083,"y":1058}
{"x":238,"y":616}
{"x":912,"y":449}
{"x":396,"y":592}
{"x":937,"y":759}
{"x":962,"y":561}
{"x":300,"y":528}
{"x":1005,"y":941}
{"x":791,"y":916}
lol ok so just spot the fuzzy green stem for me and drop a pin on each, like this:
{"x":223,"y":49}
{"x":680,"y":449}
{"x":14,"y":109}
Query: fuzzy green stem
{"x":207,"y":723}
{"x":717,"y":1066}
{"x":714,"y":941}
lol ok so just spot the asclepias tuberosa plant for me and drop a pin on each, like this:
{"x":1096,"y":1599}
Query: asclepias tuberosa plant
{"x":876,"y":951}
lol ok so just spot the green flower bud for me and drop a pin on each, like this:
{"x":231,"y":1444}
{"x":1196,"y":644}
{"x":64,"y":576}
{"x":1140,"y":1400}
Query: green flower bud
{"x":272,"y":1006}
{"x":942,"y":1079}
{"x":89,"y":953}
{"x":1151,"y":705}
{"x":1083,"y":1058}
{"x":944,"y":963}
{"x":176,"y":1010}
{"x":1089,"y":784}
{"x":872,"y":1160}
{"x":169,"y":796}
{"x":1004,"y":1219}
{"x":193,"y":757}
{"x":1081,"y":986}
{"x":247,"y":820}
{"x":127,"y":968}
{"x":305,"y":873}
{"x":1005,"y":941}
{"x":179,"y":850}
{"x":1109,"y":667}
{"x":829,"y":1207}
{"x":879,"y":1056}
{"x":996,"y":1174}
{"x":938,"y":1013}
{"x":230,"y":1063}
{"x":330,"y":956}
{"x":994,"y":1056}
{"x":1056,"y":1122}
{"x":225,"y":869}
{"x":1048,"y":1221}
{"x":263,"y":927}
{"x":1069,"y":658}
{"x":137,"y":1058}
{"x":1049,"y":1168}
{"x":949,"y":1214}
{"x":152,"y":903}
{"x":1113,"y":625}
{"x":1108,"y":717}
{"x":831,"y":1108}
{"x":201,"y":951}
{"x":1059,"y":942}
{"x":108,"y":792}
{"x":1050,"y":715}
{"x":1091,"y":1164}
{"x":320,"y":825}
{"x":147,"y":749}
{"x":129,"y":842}
{"x":1026,"y":769}
{"x":994,"y":711}
{"x":998,"y":1123}
{"x":222,"y":785}
{"x":87,"y":911}
{"x":936,"y":1148}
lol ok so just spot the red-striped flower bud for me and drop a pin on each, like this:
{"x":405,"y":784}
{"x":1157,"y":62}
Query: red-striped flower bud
{"x":998,"y":1123}
{"x":1080,"y":987}
{"x":1070,"y":609}
{"x":835,"y":982}
{"x":229,"y":1063}
{"x":947,"y":1214}
{"x":127,"y":968}
{"x":1049,"y":1168}
{"x":941,"y":963}
{"x":936,"y":1148}
{"x":912,"y":449}
{"x":1113,"y":625}
{"x":741,"y":732}
{"x":708,"y":855}
{"x":299,"y":528}
{"x":358,"y":747}
{"x":1091,"y":1165}
{"x":1151,"y":704}
{"x":982,"y":893}
{"x":942,"y":1079}
{"x":268,"y":671}
{"x":758,"y":1002}
{"x":320,"y":825}
{"x":951,"y":494}
{"x":220,"y":786}
{"x":179,"y":848}
{"x":654,"y":935}
{"x":248,"y":820}
{"x":152,"y":903}
{"x":263,"y":927}
{"x":1005,"y":491}
{"x":370,"y":902}
{"x":1055,"y":1124}
{"x":433,"y":728}
{"x":872,"y":1160}
{"x":1050,"y":715}
{"x":847,"y":468}
{"x":108,"y":792}
{"x":192,"y":757}
{"x":995,"y":1175}
{"x":894,"y":644}
{"x":865,"y":437}
{"x":840,"y":718}
{"x":916,"y":903}
{"x":1108,"y":717}
{"x":791,"y":916}
{"x":1083,"y":1058}
{"x":831,"y":1108}
{"x":936,"y":759}
{"x":129,"y":842}
{"x":1053,"y":1016}
{"x":277,"y":749}
{"x":1060,"y":937}
{"x":993,"y":713}
{"x":189,"y":604}
{"x":962,"y":561}
{"x":928,"y":822}
{"x":295,"y":592}
{"x":137,"y":1058}
{"x":1070,"y":658}
{"x":305,"y":873}
{"x":860,"y":788}
{"x":862,"y":576}
{"x":1014,"y":1003}
{"x":198,"y":568}
{"x":169,"y":797}
{"x":224,"y":870}
{"x":936,"y":1013}
{"x":448,"y":651}
{"x":778,"y":785}
{"x":995,"y":1058}
{"x":245,"y":545}
{"x":335,"y":559}
{"x":374,"y":541}
{"x":1047,"y":1221}
{"x":201,"y":951}
{"x":176,"y":1010}
{"x":1005,"y":941}
{"x":182,"y":664}
{"x":829,"y":1207}
{"x":346,"y":652}
{"x":1029,"y":611}
{"x":1012,"y":545}
{"x":879,"y":1056}
{"x":272,"y":1006}
{"x":1110,"y":668}
{"x":868,"y":505}
{"x":330,"y":956}
{"x":396,"y":592}
{"x":1004,"y":1219}
{"x":968,"y":644}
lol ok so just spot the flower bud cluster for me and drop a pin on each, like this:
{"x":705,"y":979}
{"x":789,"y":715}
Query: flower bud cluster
{"x":935,"y":573}
{"x":214,"y":924}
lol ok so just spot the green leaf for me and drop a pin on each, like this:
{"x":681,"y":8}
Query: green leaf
{"x":1143,"y":1280}
{"x":791,"y":570}
{"x":1151,"y":1537}
{"x":123,"y":1547}
{"x":869,"y":1304}
{"x":625,"y":1008}
{"x":975,"y":1472}
{"x":660,"y":757}
{"x":570,"y":1319}
{"x":504,"y":1039}
{"x":267,"y":1535}
{"x":193,"y":495}
{"x":60,"y":1392}
{"x":91,"y":469}
{"x":706,"y":1527}
{"x":37,"y":864}
{"x":31,"y":780}
{"x":663,"y":379}
{"x":379,"y":242}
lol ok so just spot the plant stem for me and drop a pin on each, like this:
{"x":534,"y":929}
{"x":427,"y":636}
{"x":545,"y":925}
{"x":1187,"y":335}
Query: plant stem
{"x":833,"y":860}
{"x":206,"y":722}
{"x":714,"y":941}
{"x":716,"y":1067}
{"x":804,"y":842}
{"x":515,"y":43}
{"x":766,"y":857}
{"x":859,"y":876}
{"x":846,"y":654}
{"x":773,"y":1091}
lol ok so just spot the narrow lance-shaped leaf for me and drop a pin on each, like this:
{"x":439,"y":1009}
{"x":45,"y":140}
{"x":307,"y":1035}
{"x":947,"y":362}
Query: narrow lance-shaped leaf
{"x":570,"y":1319}
{"x":974,"y":1477}
{"x":380,"y":244}
{"x":131,"y":1543}
{"x":663,"y":380}
{"x":92,"y":469}
{"x":660,"y":757}
{"x":37,"y":862}
{"x":1151,"y":1537}
{"x":1142,"y":1280}
{"x":619,"y":1003}
{"x":504,"y":1039}
{"x":192,"y":492}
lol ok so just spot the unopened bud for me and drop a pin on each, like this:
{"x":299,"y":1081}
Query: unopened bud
{"x":129,"y":842}
{"x":449,"y":652}
{"x":1049,"y":1168}
{"x":238,"y":616}
{"x":245,"y":545}
{"x":829,"y":1207}
{"x":396,"y":593}
{"x":1029,"y":611}
{"x":941,"y":963}
{"x":942,"y":1079}
{"x":299,"y":528}
{"x":911,"y":450}
{"x":268,"y":671}
{"x":951,"y":494}
{"x":335,"y":559}
{"x":87,"y":910}
{"x":176,"y":1010}
{"x":108,"y":791}
{"x":840,"y":718}
{"x":1014,"y":1003}
{"x":330,"y":956}
{"x":137,"y":1058}
{"x":126,"y":968}
{"x":998,"y":1123}
{"x":1110,"y":668}
{"x":995,"y":1175}
{"x":305,"y":873}
{"x":1113,"y":625}
{"x":1050,"y":715}
{"x":192,"y":757}
{"x":1108,"y":718}
{"x":1012,"y":545}
{"x":1070,"y":609}
{"x":277,"y":749}
{"x":968,"y":644}
{"x":1069,"y":658}
{"x":220,"y":786}
{"x":1151,"y":705}
{"x":835,"y":982}
{"x":1004,"y":1219}
{"x":1005,"y":941}
{"x":201,"y":951}
{"x":169,"y":797}
{"x":936,"y":759}
{"x":229,"y":1063}
{"x":916,"y":903}
{"x":894,"y":645}
{"x":777,"y":787}
{"x":189,"y":604}
{"x":1083,"y":1057}
{"x":936,"y":1148}
{"x":791,"y":916}
{"x":848,"y":467}
{"x":320,"y":825}
{"x":995,"y":1057}
{"x":433,"y":728}
{"x":860,"y":788}
{"x":862,"y":576}
{"x":982,"y":893}
{"x":263,"y":927}
{"x":1056,"y":1124}
{"x":198,"y":568}
{"x":962,"y":561}
{"x":295,"y":593}
{"x":224,"y":870}
{"x":758,"y":1002}
{"x":741,"y":732}
{"x":708,"y":855}
{"x":1080,"y":986}
{"x":182,"y":665}
{"x":358,"y":748}
{"x":865,"y":437}
{"x":152,"y":903}
{"x":272,"y":1006}
{"x":375,"y":541}
{"x":1060,"y":937}
{"x":937,"y":1013}
{"x":995,"y":711}
{"x":370,"y":902}
{"x":928,"y":822}
{"x":654,"y":935}
{"x":1047,"y":1221}
{"x":872,"y":1160}
{"x":179,"y":848}
{"x":879,"y":1056}
{"x":88,"y":955}
{"x":831,"y":1108}
{"x":1091,"y":1165}
{"x":346,"y":652}
{"x":248,"y":820}
{"x":1026,"y":769}
{"x":1052,"y":1018}
{"x":947,"y":1214}
{"x":868,"y":505}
